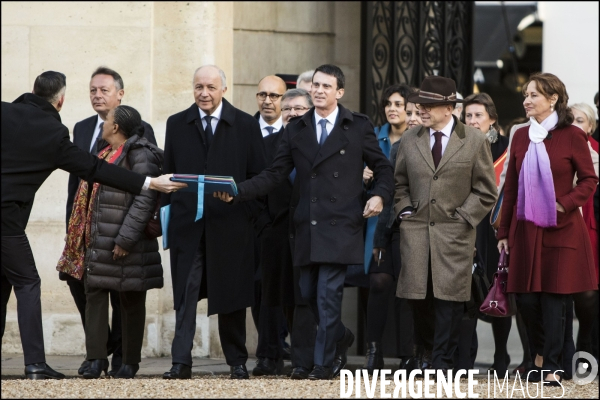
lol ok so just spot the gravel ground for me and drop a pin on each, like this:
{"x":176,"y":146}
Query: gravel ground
{"x":219,"y":387}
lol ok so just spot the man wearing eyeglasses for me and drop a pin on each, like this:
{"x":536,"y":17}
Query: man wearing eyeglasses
{"x":266,"y":311}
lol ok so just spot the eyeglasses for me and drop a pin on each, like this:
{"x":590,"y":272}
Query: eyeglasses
{"x":297,"y":109}
{"x":272,"y":96}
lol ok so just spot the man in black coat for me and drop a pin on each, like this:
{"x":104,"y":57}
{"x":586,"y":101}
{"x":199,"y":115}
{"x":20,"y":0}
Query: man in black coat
{"x":328,"y":147}
{"x":267,"y":311}
{"x":35,"y":143}
{"x":106,"y":91}
{"x":213,"y":257}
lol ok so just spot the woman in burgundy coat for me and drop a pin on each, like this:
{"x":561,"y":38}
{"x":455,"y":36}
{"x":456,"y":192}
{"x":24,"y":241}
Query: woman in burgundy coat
{"x":551,"y":253}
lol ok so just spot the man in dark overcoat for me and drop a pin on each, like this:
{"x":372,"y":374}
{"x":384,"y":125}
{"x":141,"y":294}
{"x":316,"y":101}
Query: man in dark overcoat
{"x":34,"y":144}
{"x":213,"y":257}
{"x":328,"y":147}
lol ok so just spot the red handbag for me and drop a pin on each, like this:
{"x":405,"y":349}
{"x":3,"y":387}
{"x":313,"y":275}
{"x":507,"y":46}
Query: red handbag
{"x":498,"y":303}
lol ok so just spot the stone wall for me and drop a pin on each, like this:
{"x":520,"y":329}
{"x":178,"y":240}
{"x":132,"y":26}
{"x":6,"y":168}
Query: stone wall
{"x":155,"y":47}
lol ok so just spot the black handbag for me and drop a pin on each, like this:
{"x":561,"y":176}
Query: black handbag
{"x":479,"y":291}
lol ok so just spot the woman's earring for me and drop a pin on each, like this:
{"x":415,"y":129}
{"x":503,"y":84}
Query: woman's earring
{"x":551,"y":107}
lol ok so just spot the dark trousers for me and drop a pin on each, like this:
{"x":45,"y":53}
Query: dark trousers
{"x":437,"y":324}
{"x":304,"y":335}
{"x":232,"y":326}
{"x":133,"y":323}
{"x":18,"y":266}
{"x":114,"y":342}
{"x":268,"y":321}
{"x":322,"y":286}
{"x":5,"y":290}
{"x":466,"y":350}
{"x":545,"y":314}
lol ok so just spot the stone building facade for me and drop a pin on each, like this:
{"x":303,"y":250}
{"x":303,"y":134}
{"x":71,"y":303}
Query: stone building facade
{"x":156,"y":46}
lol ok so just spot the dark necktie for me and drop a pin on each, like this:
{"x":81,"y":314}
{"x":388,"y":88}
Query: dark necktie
{"x":208,"y":130}
{"x":323,"y":124}
{"x":270,"y":129}
{"x":436,"y":150}
{"x":99,"y":141}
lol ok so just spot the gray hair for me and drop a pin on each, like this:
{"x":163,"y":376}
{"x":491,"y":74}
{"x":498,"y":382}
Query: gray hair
{"x":293,"y":93}
{"x":306,"y":76}
{"x":221,"y":74}
{"x":589,"y":113}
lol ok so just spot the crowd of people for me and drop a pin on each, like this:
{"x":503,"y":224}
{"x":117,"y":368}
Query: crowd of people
{"x":319,"y":189}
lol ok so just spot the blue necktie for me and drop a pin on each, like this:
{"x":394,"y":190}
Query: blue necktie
{"x":270,"y":129}
{"x":323,"y":124}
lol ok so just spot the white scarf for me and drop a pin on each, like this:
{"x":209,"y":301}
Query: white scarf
{"x":538,"y":132}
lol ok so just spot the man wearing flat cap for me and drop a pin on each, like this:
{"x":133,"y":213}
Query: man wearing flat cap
{"x":445,"y":185}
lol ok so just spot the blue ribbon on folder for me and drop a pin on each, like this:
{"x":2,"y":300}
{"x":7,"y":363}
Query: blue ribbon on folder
{"x":200,"y":206}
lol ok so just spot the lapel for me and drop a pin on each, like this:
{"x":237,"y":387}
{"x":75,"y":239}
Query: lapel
{"x":337,"y":137}
{"x":423,"y":146}
{"x":88,"y":130}
{"x":192,"y":116}
{"x":306,"y":138}
{"x":454,"y":144}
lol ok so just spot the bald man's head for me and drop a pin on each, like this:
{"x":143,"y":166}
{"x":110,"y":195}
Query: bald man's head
{"x":270,"y":90}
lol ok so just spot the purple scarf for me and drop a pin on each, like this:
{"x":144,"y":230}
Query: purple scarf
{"x":536,"y":201}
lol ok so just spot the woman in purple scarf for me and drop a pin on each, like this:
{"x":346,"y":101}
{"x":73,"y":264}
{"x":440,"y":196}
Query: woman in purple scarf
{"x":541,"y":226}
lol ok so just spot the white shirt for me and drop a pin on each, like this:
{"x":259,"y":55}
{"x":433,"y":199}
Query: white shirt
{"x":330,"y":122}
{"x":216,"y":117}
{"x":264,"y":125}
{"x":447,"y":131}
{"x":97,"y":133}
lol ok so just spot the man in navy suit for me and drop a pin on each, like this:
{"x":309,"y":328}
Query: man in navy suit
{"x":106,"y":91}
{"x":327,"y":147}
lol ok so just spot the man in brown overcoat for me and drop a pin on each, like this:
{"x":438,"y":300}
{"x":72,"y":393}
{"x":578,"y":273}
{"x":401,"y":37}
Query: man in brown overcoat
{"x":445,"y":185}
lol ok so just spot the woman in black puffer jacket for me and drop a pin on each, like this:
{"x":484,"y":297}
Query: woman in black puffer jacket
{"x":106,"y":232}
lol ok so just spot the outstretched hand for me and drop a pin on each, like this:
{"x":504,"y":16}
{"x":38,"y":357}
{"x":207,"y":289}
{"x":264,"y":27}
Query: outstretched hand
{"x":373,"y":207}
{"x":165,"y":185}
{"x":224,"y":196}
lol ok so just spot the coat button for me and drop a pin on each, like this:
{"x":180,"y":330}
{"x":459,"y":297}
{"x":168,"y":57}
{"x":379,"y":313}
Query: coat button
{"x":342,"y":151}
{"x":333,"y":199}
{"x":313,"y":175}
{"x":291,"y":235}
{"x":333,"y":222}
{"x":345,"y":127}
{"x":432,"y":223}
{"x":314,"y":199}
{"x":435,"y":177}
{"x":335,"y":174}
{"x":313,"y":222}
{"x":432,"y":201}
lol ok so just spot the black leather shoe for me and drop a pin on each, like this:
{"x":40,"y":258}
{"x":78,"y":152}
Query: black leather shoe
{"x":341,"y":348}
{"x":179,"y":371}
{"x":320,"y":373}
{"x":553,"y":383}
{"x":426,"y":360}
{"x":41,"y":371}
{"x":533,"y":375}
{"x":84,"y":365}
{"x":239,"y":372}
{"x":127,"y":371}
{"x":300,"y":373}
{"x":268,"y":366}
{"x":404,"y":363}
{"x":115,"y":365}
{"x":373,"y":358}
{"x":96,"y":368}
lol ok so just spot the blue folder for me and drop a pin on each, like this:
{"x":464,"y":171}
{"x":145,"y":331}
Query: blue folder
{"x":165,"y":215}
{"x":206,"y":183}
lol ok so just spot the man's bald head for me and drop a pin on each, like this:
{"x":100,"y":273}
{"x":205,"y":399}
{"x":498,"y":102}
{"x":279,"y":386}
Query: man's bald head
{"x":270,"y":87}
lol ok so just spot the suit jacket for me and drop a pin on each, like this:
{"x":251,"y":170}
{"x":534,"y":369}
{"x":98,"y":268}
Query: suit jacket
{"x":236,"y":150}
{"x":35,"y":143}
{"x":83,"y":132}
{"x":449,"y":201}
{"x":328,"y":209}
